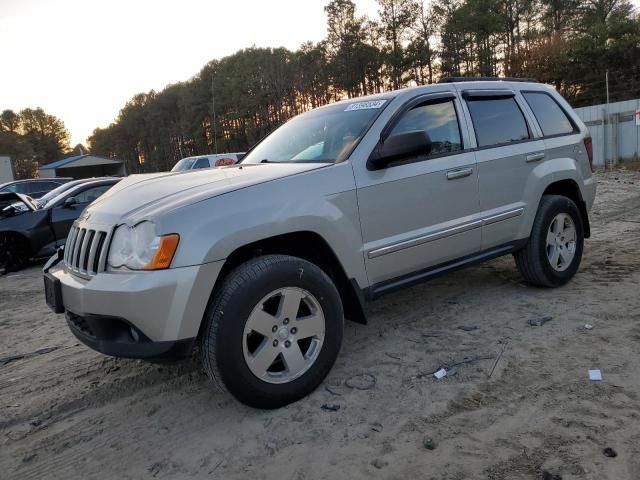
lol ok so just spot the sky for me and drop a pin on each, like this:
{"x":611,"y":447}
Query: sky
{"x":81,"y":60}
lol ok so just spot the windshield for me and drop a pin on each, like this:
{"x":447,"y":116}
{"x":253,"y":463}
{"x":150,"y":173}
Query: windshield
{"x":327,"y":134}
{"x":69,"y":192}
{"x":184,"y":164}
{"x":42,"y":201}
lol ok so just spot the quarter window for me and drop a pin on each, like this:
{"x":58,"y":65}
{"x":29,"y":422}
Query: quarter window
{"x":550,"y":116}
{"x":497,"y":121}
{"x":439,"y":120}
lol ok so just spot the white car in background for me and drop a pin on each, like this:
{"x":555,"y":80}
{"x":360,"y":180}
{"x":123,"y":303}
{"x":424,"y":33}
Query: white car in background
{"x":208,"y":161}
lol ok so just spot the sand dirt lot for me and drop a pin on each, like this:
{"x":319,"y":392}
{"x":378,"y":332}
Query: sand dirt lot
{"x":517,"y":404}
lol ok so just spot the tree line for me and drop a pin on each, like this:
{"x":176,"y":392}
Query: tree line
{"x":568,"y":43}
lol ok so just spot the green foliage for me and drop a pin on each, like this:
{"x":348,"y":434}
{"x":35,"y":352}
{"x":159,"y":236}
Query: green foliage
{"x":568,"y":43}
{"x":32,"y":138}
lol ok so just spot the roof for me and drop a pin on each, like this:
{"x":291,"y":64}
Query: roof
{"x":65,"y":161}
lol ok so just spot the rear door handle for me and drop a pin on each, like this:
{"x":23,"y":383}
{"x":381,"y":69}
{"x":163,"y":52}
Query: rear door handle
{"x":464,"y":172}
{"x":534,"y":157}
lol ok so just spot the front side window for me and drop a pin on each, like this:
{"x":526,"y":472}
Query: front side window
{"x":550,"y":116}
{"x":439,"y":120}
{"x":324,"y":135}
{"x":497,"y":121}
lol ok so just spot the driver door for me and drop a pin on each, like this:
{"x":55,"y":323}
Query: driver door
{"x":420,"y":212}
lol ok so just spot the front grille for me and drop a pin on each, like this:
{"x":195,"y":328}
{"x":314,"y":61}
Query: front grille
{"x":85,"y":252}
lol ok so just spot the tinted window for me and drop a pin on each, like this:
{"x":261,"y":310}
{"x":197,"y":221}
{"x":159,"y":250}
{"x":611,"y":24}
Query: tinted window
{"x":91,"y":194}
{"x":550,"y":116}
{"x":439,"y":120}
{"x":202,"y":163}
{"x":39,"y":187}
{"x":497,"y":121}
{"x":26,"y":187}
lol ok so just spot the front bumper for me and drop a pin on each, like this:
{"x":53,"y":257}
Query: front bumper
{"x":143,"y":314}
{"x":118,"y":338}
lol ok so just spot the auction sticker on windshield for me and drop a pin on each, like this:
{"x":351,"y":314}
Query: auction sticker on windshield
{"x":365,"y":105}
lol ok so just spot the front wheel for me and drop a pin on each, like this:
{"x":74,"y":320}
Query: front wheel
{"x":272,"y":331}
{"x":14,"y":252}
{"x":552,"y":255}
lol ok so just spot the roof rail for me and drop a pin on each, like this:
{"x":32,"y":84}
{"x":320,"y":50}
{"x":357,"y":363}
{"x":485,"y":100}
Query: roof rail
{"x":485,"y":79}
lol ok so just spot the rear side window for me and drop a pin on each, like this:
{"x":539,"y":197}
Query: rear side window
{"x":202,"y":163}
{"x":497,"y":121}
{"x":550,"y":116}
{"x":439,"y":120}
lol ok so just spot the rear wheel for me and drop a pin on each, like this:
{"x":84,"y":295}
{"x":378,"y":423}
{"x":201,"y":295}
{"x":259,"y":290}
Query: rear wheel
{"x":14,"y":252}
{"x":273,"y":331}
{"x":554,"y":250}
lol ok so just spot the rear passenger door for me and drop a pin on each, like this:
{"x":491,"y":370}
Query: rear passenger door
{"x":507,"y":152}
{"x":419,"y":212}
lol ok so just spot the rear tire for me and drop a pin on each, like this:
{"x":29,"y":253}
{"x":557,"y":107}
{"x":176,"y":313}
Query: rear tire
{"x":272,"y":331}
{"x":553,"y":253}
{"x":14,"y":252}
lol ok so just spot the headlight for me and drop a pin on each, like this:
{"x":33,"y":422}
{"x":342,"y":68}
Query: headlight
{"x":139,"y":248}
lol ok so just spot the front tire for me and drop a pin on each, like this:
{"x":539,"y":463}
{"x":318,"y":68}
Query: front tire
{"x":14,"y":252}
{"x":553,"y":253}
{"x":272,"y":331}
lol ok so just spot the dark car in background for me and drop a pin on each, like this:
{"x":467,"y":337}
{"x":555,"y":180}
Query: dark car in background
{"x":34,"y":187}
{"x":35,"y":230}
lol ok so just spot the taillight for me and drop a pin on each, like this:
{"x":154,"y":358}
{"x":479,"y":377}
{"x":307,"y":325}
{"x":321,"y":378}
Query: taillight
{"x":588,"y":146}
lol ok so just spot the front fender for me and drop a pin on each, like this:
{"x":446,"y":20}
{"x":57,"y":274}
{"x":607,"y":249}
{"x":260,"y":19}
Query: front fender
{"x":321,"y":201}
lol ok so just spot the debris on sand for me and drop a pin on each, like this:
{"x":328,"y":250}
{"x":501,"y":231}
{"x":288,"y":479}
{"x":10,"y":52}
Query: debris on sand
{"x":468,"y":328}
{"x":332,"y":390}
{"x":23,"y":356}
{"x":363,"y":381}
{"x":441,"y":373}
{"x":595,"y":375}
{"x":610,"y":452}
{"x":539,"y":321}
{"x":330,"y":407}
{"x":429,"y":444}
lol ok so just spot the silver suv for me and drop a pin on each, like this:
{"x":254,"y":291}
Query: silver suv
{"x":260,"y":262}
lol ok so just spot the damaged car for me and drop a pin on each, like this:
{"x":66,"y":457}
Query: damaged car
{"x":32,"y":229}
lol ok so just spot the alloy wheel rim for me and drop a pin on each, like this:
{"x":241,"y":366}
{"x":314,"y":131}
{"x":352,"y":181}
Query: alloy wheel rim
{"x":283,"y":335}
{"x":561,"y":242}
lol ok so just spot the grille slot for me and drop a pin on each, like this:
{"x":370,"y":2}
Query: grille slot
{"x":85,"y":251}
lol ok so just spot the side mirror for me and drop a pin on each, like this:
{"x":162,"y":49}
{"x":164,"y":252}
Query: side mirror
{"x":70,"y":202}
{"x":399,"y":146}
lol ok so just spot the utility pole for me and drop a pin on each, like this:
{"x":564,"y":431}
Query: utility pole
{"x":213,"y":108}
{"x":606,"y":125}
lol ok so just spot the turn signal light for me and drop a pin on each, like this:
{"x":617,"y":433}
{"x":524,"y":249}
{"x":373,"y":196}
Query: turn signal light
{"x":165,"y":253}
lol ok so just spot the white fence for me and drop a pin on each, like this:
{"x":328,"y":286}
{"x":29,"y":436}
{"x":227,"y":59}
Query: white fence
{"x":616,"y":135}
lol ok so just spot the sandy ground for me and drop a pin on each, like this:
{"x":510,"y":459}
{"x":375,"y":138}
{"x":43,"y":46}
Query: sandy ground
{"x":73,"y":413}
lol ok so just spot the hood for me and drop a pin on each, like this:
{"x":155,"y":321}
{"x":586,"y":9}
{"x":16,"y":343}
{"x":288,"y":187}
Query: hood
{"x":143,"y":196}
{"x":11,"y":203}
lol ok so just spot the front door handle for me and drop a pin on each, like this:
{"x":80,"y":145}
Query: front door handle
{"x":464,"y":172}
{"x":534,"y":157}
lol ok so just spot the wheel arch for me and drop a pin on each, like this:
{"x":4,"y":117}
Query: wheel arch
{"x":311,"y":247}
{"x":569,"y":188}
